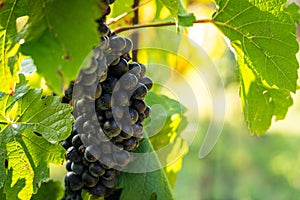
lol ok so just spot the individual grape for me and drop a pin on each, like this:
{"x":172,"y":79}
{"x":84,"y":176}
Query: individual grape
{"x":104,"y":102}
{"x":109,"y":174}
{"x":147,"y":111}
{"x":65,"y":144}
{"x":103,"y":29}
{"x":73,"y":155}
{"x":68,"y":165}
{"x":76,"y":141}
{"x":99,"y":190}
{"x":89,"y":153}
{"x":139,"y":105}
{"x":119,"y":69}
{"x":122,"y":158}
{"x":110,"y":183}
{"x":88,"y":79}
{"x":78,"y":168}
{"x":111,"y":128}
{"x":96,"y":169}
{"x":73,"y":181}
{"x":117,"y":112}
{"x":143,"y":70}
{"x":92,"y":68}
{"x":140,"y":92}
{"x":128,"y":81}
{"x":142,"y":117}
{"x":117,"y":43}
{"x":130,"y":144}
{"x":79,"y":123}
{"x":89,"y":180}
{"x":138,"y":129}
{"x":134,"y":116}
{"x":84,"y":105}
{"x":147,"y":82}
{"x":120,"y":98}
{"x":128,"y":46}
{"x":135,"y":69}
{"x":109,"y":84}
{"x":89,"y":127}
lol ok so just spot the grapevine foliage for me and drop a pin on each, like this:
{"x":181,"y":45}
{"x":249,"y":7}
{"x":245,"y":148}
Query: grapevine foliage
{"x":30,"y":128}
{"x":264,"y":38}
{"x":58,"y":36}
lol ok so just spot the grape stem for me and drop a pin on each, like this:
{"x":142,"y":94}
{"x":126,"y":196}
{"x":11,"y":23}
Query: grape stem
{"x":160,"y":24}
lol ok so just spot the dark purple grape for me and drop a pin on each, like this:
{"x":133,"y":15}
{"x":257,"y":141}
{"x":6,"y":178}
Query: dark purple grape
{"x":73,"y":155}
{"x":140,"y":92}
{"x":122,"y":158}
{"x":118,"y":69}
{"x":139,"y":105}
{"x":89,"y":127}
{"x":117,"y":43}
{"x":104,"y":102}
{"x":111,"y":128}
{"x":147,"y":82}
{"x":130,"y":144}
{"x":68,"y":165}
{"x":76,"y":141}
{"x":142,"y":117}
{"x":147,"y":112}
{"x":110,"y":183}
{"x":91,"y":154}
{"x":128,"y":46}
{"x":120,"y":98}
{"x":143,"y":70}
{"x":138,"y":130}
{"x":99,"y":190}
{"x":65,"y":144}
{"x":109,"y":84}
{"x":73,"y":181}
{"x":109,"y":174}
{"x":89,"y":180}
{"x":96,"y":170}
{"x":78,"y":168}
{"x":128,"y":81}
{"x":133,"y":114}
{"x":88,"y":79}
{"x":135,"y":69}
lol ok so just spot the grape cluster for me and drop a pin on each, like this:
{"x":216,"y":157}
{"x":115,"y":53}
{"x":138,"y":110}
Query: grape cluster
{"x":109,"y":108}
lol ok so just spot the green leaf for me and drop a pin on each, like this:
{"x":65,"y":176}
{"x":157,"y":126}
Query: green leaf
{"x":167,"y":135}
{"x":51,"y":190}
{"x":186,"y":19}
{"x":293,"y":10}
{"x":11,"y":10}
{"x":30,"y":128}
{"x":174,"y":6}
{"x":260,"y":102}
{"x":145,"y":186}
{"x":267,"y":37}
{"x":58,"y":36}
{"x":263,"y":36}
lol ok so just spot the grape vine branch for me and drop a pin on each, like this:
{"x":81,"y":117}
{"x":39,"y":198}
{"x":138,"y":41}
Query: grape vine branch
{"x":159,"y":24}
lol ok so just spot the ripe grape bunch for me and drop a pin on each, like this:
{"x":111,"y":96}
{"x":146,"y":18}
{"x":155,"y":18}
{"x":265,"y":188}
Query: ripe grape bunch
{"x":109,"y":108}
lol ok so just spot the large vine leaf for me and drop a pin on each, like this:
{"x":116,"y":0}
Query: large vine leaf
{"x":263,"y":35}
{"x":167,"y":135}
{"x":10,"y":11}
{"x":30,"y":128}
{"x":145,"y":186}
{"x":59,"y":35}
